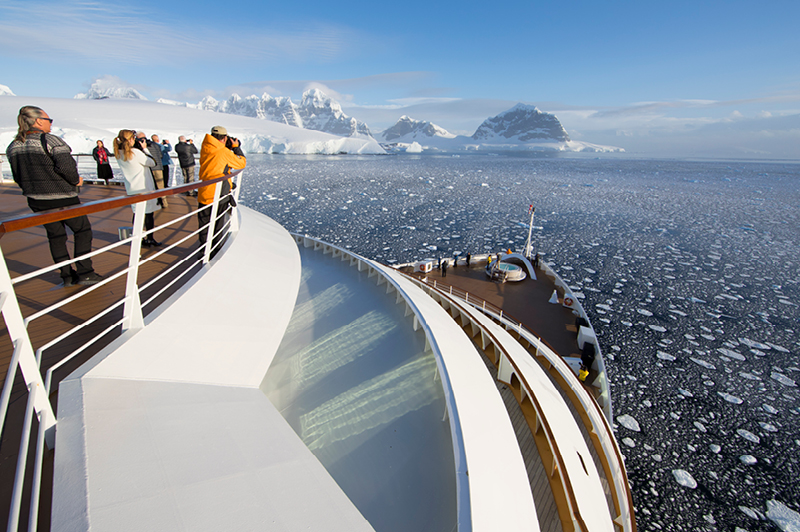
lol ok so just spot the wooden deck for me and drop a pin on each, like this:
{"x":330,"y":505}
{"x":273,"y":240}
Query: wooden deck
{"x":27,"y":250}
{"x":526,"y":301}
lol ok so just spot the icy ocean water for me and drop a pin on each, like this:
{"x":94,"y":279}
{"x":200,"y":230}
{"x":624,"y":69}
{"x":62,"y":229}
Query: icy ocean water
{"x":689,"y":272}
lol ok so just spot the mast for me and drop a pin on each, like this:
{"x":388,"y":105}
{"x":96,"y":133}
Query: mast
{"x":528,"y":249}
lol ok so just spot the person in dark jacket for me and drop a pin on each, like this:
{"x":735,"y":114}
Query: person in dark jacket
{"x":166,"y":160}
{"x":186,"y":151}
{"x":154,"y":149}
{"x":43,"y":167}
{"x":101,"y":157}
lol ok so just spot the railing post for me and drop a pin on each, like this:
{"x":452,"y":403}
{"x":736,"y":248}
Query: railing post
{"x":132,"y":313}
{"x":212,"y":223}
{"x":26,"y":359}
{"x":235,"y":193}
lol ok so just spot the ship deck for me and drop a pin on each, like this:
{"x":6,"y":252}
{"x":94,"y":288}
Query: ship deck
{"x":525,"y":301}
{"x":27,"y":250}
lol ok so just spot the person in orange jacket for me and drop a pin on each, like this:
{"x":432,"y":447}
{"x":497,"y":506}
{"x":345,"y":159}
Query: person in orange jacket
{"x":219,"y":156}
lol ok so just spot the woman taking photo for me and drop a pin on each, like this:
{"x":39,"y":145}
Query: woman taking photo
{"x":135,"y":164}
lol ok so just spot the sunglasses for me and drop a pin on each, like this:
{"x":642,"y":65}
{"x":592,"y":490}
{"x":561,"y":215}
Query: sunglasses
{"x":48,"y":119}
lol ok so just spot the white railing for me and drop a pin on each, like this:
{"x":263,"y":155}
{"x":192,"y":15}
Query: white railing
{"x":29,"y":361}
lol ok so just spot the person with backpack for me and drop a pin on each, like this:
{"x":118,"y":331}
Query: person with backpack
{"x":43,"y":167}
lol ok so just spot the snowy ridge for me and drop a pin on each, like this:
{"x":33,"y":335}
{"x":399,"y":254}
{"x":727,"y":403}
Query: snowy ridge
{"x":82,"y":122}
{"x":316,"y":111}
{"x":409,"y":130}
{"x":321,"y":113}
{"x":521,"y":128}
{"x":281,"y":110}
{"x":107,"y":88}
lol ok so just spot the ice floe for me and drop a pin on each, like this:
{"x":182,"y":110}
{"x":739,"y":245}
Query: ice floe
{"x":747,"y":435}
{"x":731,"y":398}
{"x":684,"y":478}
{"x":629,"y":422}
{"x":784,"y":517}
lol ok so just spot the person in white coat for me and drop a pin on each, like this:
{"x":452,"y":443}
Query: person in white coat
{"x":135,"y":163}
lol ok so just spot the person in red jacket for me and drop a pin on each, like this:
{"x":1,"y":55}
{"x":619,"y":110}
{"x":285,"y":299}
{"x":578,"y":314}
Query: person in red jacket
{"x":219,"y":156}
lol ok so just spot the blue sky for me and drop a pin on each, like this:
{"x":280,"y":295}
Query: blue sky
{"x":634,"y":72}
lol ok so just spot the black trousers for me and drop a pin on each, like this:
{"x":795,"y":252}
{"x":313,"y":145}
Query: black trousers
{"x":204,"y":217}
{"x":57,"y":235}
{"x":149,"y":222}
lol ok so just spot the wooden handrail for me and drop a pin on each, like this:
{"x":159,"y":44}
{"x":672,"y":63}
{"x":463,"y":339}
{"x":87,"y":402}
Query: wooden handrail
{"x":56,"y":215}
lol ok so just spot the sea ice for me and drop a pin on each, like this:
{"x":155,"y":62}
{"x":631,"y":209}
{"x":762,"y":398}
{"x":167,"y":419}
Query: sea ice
{"x":783,"y":379}
{"x":747,"y":435}
{"x":778,"y":348}
{"x":628,"y":422}
{"x":749,"y":512}
{"x":665,"y":356}
{"x":657,"y":328}
{"x":785,"y":518}
{"x":629,"y":442}
{"x":748,"y":459}
{"x":700,"y":426}
{"x":703,"y":363}
{"x":732,"y":354}
{"x":683,"y":478}
{"x":730,"y":398}
{"x":749,"y":376}
{"x":754,"y":344}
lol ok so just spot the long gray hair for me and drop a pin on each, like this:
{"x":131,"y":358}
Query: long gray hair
{"x":26,"y":118}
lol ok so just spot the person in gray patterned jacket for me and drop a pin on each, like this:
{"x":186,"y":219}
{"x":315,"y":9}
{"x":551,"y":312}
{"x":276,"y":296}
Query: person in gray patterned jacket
{"x":43,"y":167}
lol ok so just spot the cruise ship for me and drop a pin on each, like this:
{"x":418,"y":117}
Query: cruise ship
{"x":272,"y":381}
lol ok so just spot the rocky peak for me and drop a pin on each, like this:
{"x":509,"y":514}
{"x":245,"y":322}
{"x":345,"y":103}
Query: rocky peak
{"x":522,"y":123}
{"x":408,"y":129}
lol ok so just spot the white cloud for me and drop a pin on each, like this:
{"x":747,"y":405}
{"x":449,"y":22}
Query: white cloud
{"x":104,"y":32}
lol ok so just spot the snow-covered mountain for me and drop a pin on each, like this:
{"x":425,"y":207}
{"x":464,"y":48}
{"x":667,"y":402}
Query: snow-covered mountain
{"x":316,"y":111}
{"x":522,"y":123}
{"x":521,"y":128}
{"x":110,"y":88}
{"x":281,"y":109}
{"x":5,"y":91}
{"x":409,"y":130}
{"x":322,"y":113}
{"x":82,"y":122}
